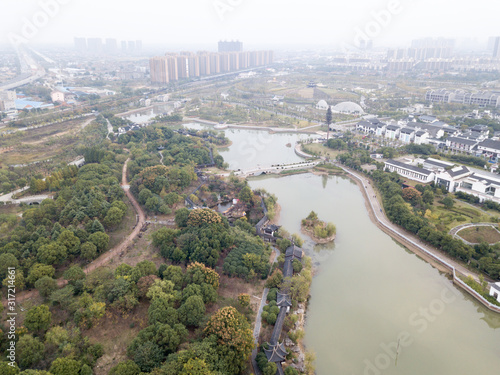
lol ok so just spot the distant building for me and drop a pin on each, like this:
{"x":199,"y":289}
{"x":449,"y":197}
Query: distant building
{"x":57,"y":96}
{"x":7,"y":100}
{"x":138,"y":45}
{"x":173,"y":66}
{"x":496,"y":47}
{"x":233,"y":46}
{"x":80,"y":44}
{"x":495,"y":291}
{"x":481,"y":98}
{"x":111,"y":45}
{"x":409,"y":171}
{"x":94,"y":45}
{"x":322,"y":104}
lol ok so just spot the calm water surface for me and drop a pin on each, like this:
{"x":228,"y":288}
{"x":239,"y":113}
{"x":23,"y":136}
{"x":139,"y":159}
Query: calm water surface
{"x":369,"y":293}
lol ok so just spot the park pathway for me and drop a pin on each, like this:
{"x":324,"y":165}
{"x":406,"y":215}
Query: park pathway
{"x":110,"y":254}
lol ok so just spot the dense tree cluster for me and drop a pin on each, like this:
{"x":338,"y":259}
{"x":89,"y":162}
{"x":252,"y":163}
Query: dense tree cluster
{"x":200,"y":242}
{"x":249,"y":258}
{"x":65,"y":228}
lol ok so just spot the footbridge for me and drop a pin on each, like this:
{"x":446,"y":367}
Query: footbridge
{"x":276,"y":168}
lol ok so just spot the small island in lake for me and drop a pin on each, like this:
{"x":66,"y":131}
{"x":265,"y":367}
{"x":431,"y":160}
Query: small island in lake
{"x":318,"y":230}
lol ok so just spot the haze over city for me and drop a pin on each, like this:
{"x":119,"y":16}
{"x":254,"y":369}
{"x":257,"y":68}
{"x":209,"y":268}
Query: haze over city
{"x":276,"y":24}
{"x":249,"y":187}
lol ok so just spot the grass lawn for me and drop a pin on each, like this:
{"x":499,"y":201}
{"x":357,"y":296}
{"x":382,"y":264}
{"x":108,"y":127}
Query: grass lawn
{"x":480,"y":234}
{"x":319,"y":149}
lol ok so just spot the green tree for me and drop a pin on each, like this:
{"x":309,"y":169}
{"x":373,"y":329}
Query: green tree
{"x":448,"y":202}
{"x":38,"y":271}
{"x":74,"y":274}
{"x":148,"y":356}
{"x":69,"y":241}
{"x":38,"y":318}
{"x":7,"y":260}
{"x":196,"y":367}
{"x":18,"y":279}
{"x":113,"y":217}
{"x":100,"y":240}
{"x":181,"y":217}
{"x":246,"y":195}
{"x":65,"y":366}
{"x":52,"y":253}
{"x":329,"y":118}
{"x":428,"y":197}
{"x":88,"y":251}
{"x":192,"y":311}
{"x":45,"y":286}
{"x":125,"y":368}
{"x":234,"y":336}
{"x":30,"y":351}
{"x":175,"y":275}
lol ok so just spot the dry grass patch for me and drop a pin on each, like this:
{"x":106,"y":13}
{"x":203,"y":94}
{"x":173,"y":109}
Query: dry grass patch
{"x":480,"y":234}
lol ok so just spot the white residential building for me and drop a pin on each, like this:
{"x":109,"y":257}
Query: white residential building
{"x":495,"y":291}
{"x":409,"y":171}
{"x":450,"y":179}
{"x":392,"y":131}
{"x":483,"y":187}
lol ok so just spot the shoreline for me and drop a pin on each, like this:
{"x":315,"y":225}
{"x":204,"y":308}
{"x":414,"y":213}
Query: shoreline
{"x":317,"y":240}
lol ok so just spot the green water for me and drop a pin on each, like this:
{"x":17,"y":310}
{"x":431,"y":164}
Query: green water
{"x":370,"y":293}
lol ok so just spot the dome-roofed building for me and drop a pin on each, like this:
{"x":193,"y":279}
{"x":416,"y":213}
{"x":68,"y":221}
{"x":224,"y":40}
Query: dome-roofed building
{"x":348,"y":107}
{"x":322,"y":104}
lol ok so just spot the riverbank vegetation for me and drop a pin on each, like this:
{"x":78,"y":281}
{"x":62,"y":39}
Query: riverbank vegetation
{"x":481,"y":287}
{"x":413,"y":214}
{"x":318,"y":230}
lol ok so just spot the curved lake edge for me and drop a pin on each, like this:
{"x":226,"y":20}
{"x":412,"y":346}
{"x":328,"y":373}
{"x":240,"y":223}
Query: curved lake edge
{"x":430,"y":258}
{"x":317,"y":240}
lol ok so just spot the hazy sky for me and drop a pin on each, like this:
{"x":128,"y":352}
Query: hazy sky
{"x":255,"y":22}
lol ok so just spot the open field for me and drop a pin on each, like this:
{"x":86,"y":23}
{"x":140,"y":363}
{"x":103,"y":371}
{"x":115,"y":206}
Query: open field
{"x":41,"y":144}
{"x":319,"y":149}
{"x":480,"y":234}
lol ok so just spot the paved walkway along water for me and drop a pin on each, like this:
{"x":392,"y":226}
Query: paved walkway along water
{"x":258,"y":320}
{"x":376,"y":212}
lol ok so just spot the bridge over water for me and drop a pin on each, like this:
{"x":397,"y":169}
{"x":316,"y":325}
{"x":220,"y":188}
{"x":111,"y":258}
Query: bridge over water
{"x":276,"y":169}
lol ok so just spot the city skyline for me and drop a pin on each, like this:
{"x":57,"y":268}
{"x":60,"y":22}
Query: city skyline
{"x":277,"y":24}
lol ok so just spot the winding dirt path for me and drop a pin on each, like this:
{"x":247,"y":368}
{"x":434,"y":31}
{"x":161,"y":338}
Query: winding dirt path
{"x":110,"y":254}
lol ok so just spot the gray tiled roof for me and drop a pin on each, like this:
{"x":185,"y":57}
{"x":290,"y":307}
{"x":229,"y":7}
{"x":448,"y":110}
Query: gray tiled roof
{"x":409,"y":167}
{"x":490,"y":144}
{"x":463,"y":141}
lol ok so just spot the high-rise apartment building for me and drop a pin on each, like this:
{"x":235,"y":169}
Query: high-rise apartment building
{"x":111,"y":45}
{"x":80,"y":44}
{"x":194,"y":66}
{"x":496,"y":47}
{"x":94,"y":45}
{"x":158,"y":67}
{"x":232,"y":46}
{"x":173,"y":66}
{"x":182,"y":67}
{"x":204,"y":60}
